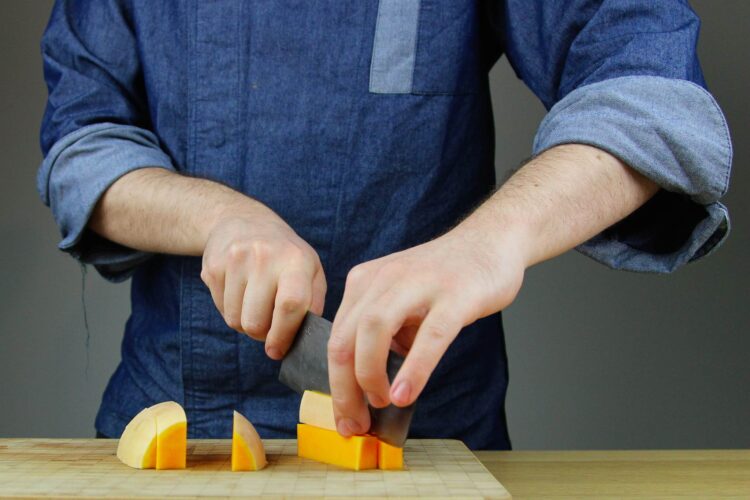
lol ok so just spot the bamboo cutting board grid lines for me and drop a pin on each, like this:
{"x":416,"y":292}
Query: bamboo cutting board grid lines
{"x":89,"y":468}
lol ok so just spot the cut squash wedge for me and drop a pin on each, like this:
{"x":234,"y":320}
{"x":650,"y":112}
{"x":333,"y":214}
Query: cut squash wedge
{"x":390,"y":457}
{"x":324,"y":445}
{"x":137,"y":445}
{"x":248,"y":452}
{"x":171,"y":435}
{"x":316,"y":409}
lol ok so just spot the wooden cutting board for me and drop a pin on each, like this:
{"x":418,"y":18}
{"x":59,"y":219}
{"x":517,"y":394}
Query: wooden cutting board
{"x":88,"y":468}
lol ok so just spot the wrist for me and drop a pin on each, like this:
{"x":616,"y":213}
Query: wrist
{"x":229,"y":206}
{"x":497,"y":234}
{"x":495,"y":255}
{"x":242,"y":211}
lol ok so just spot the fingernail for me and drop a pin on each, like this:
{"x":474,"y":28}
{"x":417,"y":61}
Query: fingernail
{"x":401,"y":392}
{"x":273,"y":352}
{"x":347,"y":427}
{"x":375,"y":400}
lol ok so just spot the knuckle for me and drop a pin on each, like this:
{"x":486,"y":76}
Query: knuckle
{"x":261,"y":251}
{"x":253,"y":328}
{"x":292,"y":303}
{"x":255,"y":335}
{"x":233,"y":322}
{"x":339,"y":351}
{"x":373,"y":321}
{"x":205,"y":276}
{"x":356,"y":275}
{"x":237,"y":252}
{"x":341,"y":404}
{"x":438,"y":332}
{"x":367,"y":378}
{"x":259,"y":338}
{"x":316,"y":260}
{"x":210,"y":269}
{"x":296,"y":254}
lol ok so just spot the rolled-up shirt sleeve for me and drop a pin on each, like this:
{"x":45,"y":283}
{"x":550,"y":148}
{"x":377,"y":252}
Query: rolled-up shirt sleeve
{"x":624,"y":77}
{"x":75,"y":174}
{"x":671,"y":131}
{"x":96,"y":125}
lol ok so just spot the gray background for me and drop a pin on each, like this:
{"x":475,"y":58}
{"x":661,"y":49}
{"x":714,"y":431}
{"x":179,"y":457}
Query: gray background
{"x":598,"y":359}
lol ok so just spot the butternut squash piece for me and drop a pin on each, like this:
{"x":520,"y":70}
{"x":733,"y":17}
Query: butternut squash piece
{"x":316,"y":409}
{"x":247,"y":448}
{"x":390,"y":457}
{"x":137,"y":445}
{"x":324,"y":445}
{"x":171,"y":435}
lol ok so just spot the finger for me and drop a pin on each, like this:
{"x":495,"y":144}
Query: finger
{"x":319,"y":288}
{"x":360,"y":290}
{"x":293,"y":297}
{"x":435,"y":334}
{"x":377,"y":325}
{"x":235,"y":282}
{"x":349,"y":406}
{"x":257,"y":304}
{"x":405,"y":337}
{"x":354,"y":287}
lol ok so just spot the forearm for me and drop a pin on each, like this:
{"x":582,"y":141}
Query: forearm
{"x":558,"y":200}
{"x":157,"y":210}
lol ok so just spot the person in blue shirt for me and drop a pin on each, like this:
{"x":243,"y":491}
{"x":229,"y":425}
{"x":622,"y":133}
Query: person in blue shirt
{"x":245,"y":162}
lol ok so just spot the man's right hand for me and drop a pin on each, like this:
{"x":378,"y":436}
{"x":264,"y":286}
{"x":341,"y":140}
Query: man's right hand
{"x":263,"y":277}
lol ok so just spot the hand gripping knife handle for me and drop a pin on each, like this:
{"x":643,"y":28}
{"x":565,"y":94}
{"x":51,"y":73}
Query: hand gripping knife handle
{"x":305,"y":368}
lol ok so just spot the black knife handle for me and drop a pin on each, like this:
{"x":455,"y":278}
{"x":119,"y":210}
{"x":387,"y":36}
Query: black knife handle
{"x":391,"y":424}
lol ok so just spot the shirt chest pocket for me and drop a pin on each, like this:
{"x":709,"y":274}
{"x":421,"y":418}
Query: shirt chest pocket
{"x":425,"y":47}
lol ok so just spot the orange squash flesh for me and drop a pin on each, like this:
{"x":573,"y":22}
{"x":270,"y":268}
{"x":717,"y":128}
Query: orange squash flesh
{"x":171,"y":447}
{"x":149,"y":459}
{"x":242,"y":459}
{"x":247,"y":448}
{"x":390,"y":457}
{"x":171,"y":435}
{"x":324,"y":445}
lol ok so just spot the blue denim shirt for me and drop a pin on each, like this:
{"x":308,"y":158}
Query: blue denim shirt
{"x":367,"y":126}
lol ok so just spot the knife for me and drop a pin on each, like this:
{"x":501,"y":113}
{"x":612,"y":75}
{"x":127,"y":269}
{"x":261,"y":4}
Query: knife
{"x":305,"y":368}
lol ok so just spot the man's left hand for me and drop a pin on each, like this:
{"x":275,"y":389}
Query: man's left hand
{"x":414,"y":302}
